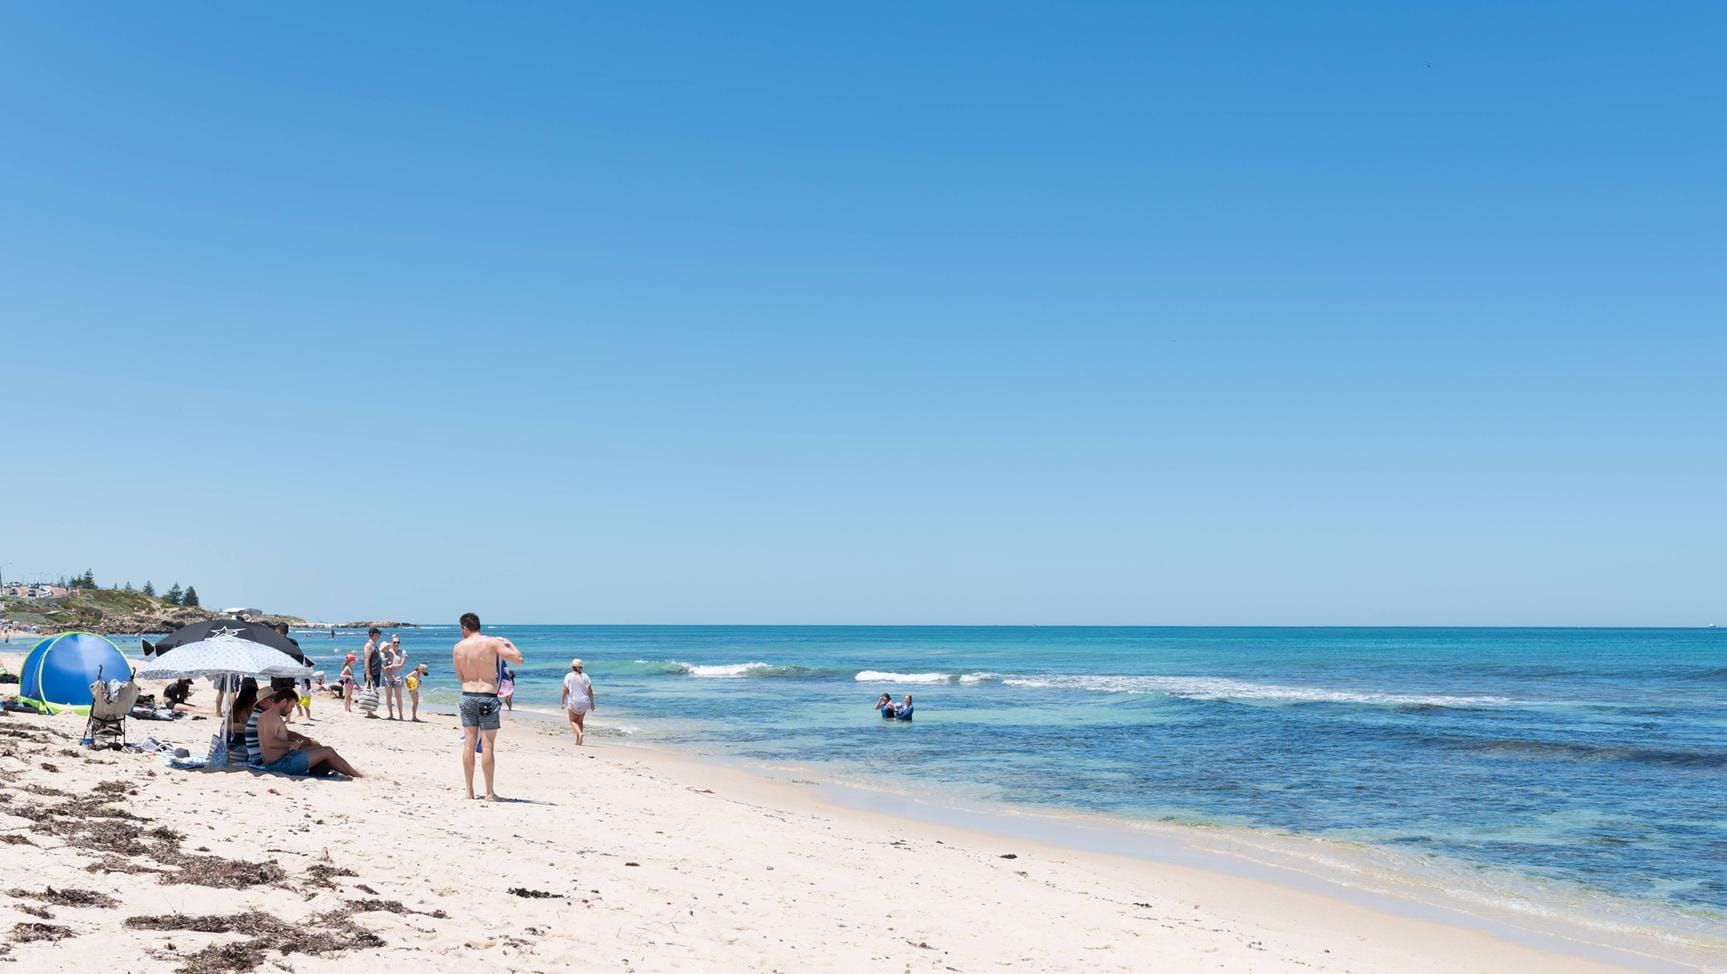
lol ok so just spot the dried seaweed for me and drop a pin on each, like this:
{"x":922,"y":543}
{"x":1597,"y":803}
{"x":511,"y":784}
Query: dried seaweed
{"x":326,"y":933}
{"x":222,"y":873}
{"x":67,"y":897}
{"x":324,"y":876}
{"x":534,"y":894}
{"x":25,"y":933}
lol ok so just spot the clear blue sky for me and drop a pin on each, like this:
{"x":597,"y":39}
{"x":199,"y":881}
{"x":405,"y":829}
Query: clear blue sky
{"x":1350,"y":313}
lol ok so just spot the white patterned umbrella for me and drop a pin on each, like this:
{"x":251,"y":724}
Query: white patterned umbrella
{"x":221,"y":656}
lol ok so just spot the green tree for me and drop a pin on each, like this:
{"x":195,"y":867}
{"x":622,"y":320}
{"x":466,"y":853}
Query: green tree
{"x":190,"y":598}
{"x":149,"y":589}
{"x":129,"y":587}
{"x":173,"y":597}
{"x":89,"y":579}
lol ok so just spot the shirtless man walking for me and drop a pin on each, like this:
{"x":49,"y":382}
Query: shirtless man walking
{"x":476,"y":664}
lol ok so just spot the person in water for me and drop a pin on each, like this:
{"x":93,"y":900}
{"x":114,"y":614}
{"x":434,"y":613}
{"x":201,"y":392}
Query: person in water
{"x":884,"y":706}
{"x":903,"y":711}
{"x":476,"y":664}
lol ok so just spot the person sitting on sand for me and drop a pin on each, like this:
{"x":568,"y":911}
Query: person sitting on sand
{"x":414,"y":678}
{"x":245,"y":701}
{"x":273,"y":748}
{"x":578,"y":698}
{"x":177,"y":694}
{"x":884,"y":706}
{"x":903,"y":711}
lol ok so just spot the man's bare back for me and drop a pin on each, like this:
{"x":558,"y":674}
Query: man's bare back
{"x":476,"y":661}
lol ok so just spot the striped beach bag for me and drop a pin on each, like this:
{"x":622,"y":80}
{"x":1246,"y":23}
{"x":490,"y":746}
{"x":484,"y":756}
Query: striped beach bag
{"x":367,"y":700}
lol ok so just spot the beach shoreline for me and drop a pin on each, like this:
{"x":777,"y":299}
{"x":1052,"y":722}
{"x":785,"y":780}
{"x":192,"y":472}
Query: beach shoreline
{"x":681,"y":863}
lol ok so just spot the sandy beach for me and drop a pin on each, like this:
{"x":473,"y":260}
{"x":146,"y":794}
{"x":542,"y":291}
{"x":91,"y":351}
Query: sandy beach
{"x":607,"y":857}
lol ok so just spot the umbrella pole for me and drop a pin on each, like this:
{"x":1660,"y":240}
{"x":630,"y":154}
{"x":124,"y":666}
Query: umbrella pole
{"x":227,"y":716}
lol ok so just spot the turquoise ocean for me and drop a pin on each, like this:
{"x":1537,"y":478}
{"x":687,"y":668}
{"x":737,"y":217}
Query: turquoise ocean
{"x":1585,"y":762}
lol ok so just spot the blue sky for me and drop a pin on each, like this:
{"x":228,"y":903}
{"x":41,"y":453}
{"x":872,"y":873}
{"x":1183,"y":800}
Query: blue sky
{"x":1343,"y":313}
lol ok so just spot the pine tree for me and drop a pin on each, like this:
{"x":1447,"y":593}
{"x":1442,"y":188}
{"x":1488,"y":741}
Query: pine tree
{"x":129,"y":586}
{"x":190,"y":598}
{"x":89,"y":579}
{"x":149,"y":589}
{"x":173,"y":597}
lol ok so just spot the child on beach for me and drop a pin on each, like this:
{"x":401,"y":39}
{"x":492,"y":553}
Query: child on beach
{"x":348,"y":684}
{"x":507,"y":687}
{"x":415,"y":675}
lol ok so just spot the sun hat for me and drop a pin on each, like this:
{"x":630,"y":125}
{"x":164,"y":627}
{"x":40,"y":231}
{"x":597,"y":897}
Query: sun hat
{"x":576,"y":663}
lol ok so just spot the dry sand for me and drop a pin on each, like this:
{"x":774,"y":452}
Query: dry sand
{"x":610,"y":858}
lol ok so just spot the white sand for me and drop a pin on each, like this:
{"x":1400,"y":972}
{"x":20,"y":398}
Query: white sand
{"x":663,"y":863}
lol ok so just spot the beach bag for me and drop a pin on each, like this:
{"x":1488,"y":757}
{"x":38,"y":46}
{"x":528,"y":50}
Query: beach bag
{"x":367,"y":700}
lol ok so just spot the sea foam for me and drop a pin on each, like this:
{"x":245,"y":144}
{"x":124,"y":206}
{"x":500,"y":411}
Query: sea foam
{"x":878,"y":676}
{"x":1220,"y":688}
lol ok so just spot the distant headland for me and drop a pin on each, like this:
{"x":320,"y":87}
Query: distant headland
{"x":79,"y":604}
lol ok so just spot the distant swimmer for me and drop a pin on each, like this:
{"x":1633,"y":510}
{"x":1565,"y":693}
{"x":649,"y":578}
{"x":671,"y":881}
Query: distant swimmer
{"x":885,"y":706}
{"x":476,"y":663}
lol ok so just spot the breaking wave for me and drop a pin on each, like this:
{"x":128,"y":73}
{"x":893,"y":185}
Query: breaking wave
{"x":878,"y":676}
{"x":672,"y":667}
{"x":1219,"y":688}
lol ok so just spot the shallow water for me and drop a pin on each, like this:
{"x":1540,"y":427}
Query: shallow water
{"x":1588,"y":760}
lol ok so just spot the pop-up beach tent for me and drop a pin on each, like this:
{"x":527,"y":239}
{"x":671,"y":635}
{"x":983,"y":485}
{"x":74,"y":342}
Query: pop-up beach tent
{"x":57,"y":674}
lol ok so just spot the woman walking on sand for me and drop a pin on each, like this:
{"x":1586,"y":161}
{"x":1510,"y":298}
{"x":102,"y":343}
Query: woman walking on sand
{"x":578,"y":699}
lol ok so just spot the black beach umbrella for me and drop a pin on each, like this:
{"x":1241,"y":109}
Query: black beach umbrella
{"x":255,"y":631}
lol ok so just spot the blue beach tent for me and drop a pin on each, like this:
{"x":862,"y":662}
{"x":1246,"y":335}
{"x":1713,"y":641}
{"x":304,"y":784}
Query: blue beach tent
{"x":57,"y":674}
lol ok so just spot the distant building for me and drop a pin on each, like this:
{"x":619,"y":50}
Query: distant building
{"x":242,"y":612}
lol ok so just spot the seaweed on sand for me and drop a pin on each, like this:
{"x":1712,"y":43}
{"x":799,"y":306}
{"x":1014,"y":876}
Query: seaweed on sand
{"x":326,"y":933}
{"x":95,"y":823}
{"x":67,"y":897}
{"x":222,"y":873}
{"x":323,"y":875}
{"x":25,"y":933}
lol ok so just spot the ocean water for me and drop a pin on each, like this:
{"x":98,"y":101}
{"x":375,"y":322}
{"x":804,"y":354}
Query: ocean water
{"x":1587,"y":760}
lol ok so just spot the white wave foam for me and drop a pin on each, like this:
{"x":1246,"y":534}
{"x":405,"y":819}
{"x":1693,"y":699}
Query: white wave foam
{"x":878,"y":676}
{"x":1219,"y":688}
{"x":723,"y":669}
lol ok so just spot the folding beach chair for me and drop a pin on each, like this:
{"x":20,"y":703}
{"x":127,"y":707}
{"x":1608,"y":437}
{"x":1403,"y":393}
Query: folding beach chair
{"x":110,"y":702}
